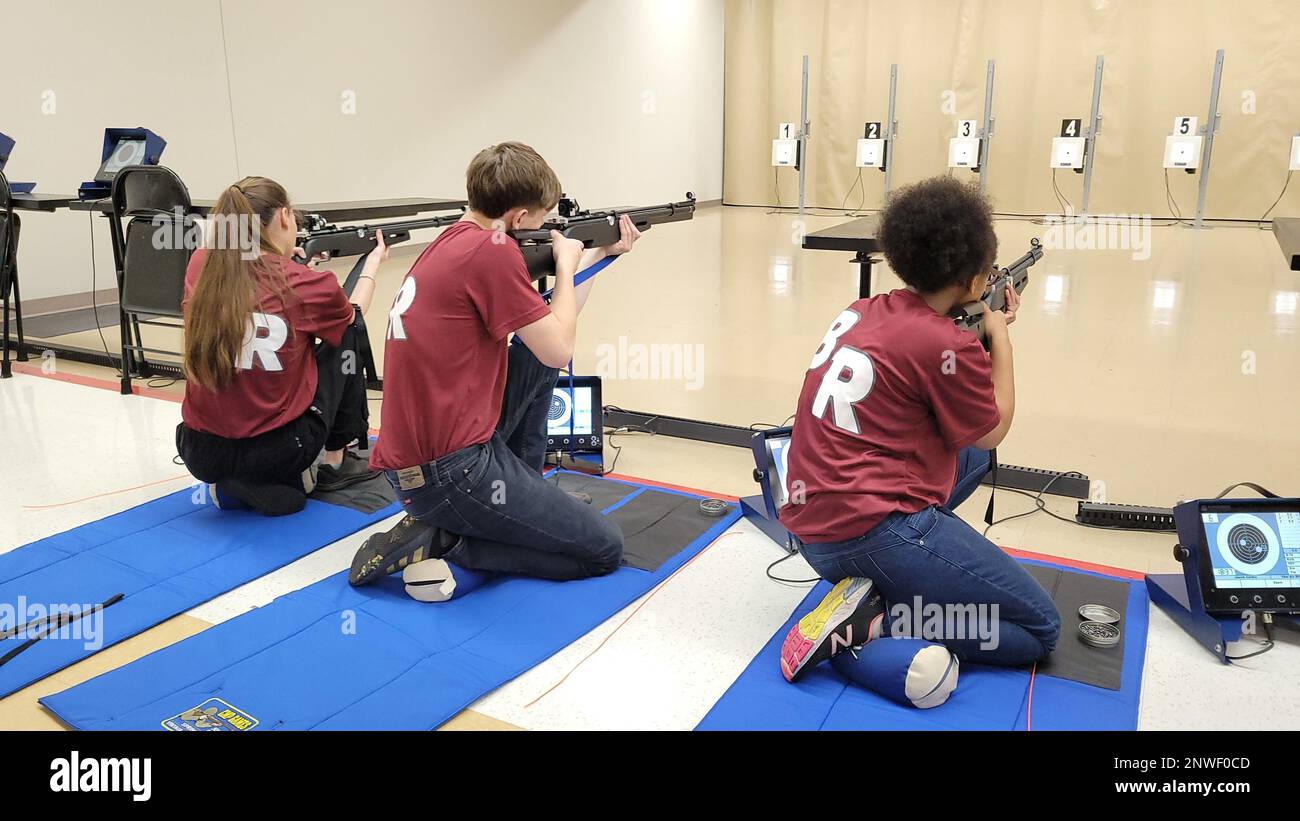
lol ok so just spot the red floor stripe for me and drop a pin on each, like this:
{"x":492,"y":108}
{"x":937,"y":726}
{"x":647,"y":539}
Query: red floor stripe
{"x":1106,"y":569}
{"x":94,"y":382}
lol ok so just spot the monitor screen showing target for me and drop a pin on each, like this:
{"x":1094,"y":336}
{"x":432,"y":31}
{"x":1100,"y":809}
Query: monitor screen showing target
{"x":778,"y":448}
{"x":574,"y":420}
{"x":1253,"y":549}
{"x":126,"y":152}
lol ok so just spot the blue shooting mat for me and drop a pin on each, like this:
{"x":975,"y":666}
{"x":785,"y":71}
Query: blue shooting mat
{"x":164,"y":557}
{"x":986,"y":698}
{"x":334,"y":657}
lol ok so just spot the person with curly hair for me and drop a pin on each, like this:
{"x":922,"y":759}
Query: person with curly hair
{"x":898,"y":413}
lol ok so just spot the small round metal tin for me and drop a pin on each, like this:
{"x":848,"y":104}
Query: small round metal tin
{"x":1098,"y":612}
{"x":713,"y":507}
{"x":1098,"y":634}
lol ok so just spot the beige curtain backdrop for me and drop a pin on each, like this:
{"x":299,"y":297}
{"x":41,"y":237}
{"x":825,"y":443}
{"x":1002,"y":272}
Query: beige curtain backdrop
{"x":1159,"y":59}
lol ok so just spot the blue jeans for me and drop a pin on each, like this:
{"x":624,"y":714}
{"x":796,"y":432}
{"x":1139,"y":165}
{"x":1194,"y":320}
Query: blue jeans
{"x":493,"y":496}
{"x":934,"y":555}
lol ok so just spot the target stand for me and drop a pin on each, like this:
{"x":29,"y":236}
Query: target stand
{"x":1241,"y":559}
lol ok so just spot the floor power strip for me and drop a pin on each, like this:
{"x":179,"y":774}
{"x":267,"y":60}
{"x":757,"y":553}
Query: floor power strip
{"x":1134,"y":517}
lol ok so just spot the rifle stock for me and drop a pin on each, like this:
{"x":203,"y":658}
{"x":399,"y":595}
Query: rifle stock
{"x":970,"y":317}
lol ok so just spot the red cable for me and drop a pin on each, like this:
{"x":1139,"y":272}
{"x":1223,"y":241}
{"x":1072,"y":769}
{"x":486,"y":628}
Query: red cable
{"x":623,"y":623}
{"x":107,"y":493}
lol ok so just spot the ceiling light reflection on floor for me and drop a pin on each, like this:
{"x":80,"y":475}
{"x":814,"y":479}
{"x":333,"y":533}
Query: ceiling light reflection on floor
{"x":1285,"y":306}
{"x":1055,"y":290}
{"x":780,"y":273}
{"x":1164,"y":301}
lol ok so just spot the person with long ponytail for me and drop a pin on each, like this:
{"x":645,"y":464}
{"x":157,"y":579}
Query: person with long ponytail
{"x":274,"y":391}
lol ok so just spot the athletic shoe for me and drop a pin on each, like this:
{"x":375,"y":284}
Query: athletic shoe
{"x":579,"y":496}
{"x":408,"y":542}
{"x":268,"y":500}
{"x":846,"y":618}
{"x":351,"y":470}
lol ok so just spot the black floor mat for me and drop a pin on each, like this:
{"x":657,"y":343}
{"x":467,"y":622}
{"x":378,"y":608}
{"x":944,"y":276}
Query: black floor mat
{"x":657,"y":525}
{"x":373,"y":494}
{"x":1074,"y":660}
{"x":603,"y":492}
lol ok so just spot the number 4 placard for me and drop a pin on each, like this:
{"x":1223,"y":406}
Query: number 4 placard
{"x":1071,"y":128}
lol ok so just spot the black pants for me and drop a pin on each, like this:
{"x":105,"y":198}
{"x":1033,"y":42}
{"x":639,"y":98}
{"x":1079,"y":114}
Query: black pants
{"x":527,"y":398}
{"x":338,"y":416}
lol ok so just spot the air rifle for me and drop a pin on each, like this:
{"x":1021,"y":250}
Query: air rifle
{"x":317,"y":237}
{"x":970,"y":317}
{"x":595,"y":229}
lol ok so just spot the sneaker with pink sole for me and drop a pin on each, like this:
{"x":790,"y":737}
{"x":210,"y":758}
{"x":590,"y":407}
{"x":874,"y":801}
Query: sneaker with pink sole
{"x":849,"y":616}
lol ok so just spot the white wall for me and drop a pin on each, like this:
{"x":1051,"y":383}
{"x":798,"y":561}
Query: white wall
{"x":623,"y":97}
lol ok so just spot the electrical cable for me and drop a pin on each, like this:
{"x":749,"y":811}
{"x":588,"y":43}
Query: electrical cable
{"x":1285,"y":185}
{"x":762,"y":426}
{"x":1266,"y":645}
{"x":791,"y":582}
{"x":94,"y":299}
{"x":862,"y":199}
{"x":1171,"y":202}
{"x":1041,"y":505}
{"x":1067,"y":207}
{"x":610,"y":433}
{"x":1038,"y":505}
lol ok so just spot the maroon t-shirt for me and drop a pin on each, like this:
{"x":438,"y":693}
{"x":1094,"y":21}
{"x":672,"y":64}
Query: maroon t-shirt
{"x":445,"y":356}
{"x":894,"y":392}
{"x":275,"y":374}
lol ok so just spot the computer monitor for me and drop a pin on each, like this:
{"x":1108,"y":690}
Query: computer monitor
{"x":127,"y":151}
{"x":6,"y":146}
{"x":1247,"y":554}
{"x":772,"y":461}
{"x":575,"y":420}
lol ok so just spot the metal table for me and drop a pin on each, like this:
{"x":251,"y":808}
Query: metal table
{"x":857,"y":237}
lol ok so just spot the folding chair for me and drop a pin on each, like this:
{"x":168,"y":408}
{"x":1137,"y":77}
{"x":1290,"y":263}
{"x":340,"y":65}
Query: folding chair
{"x":151,"y":257}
